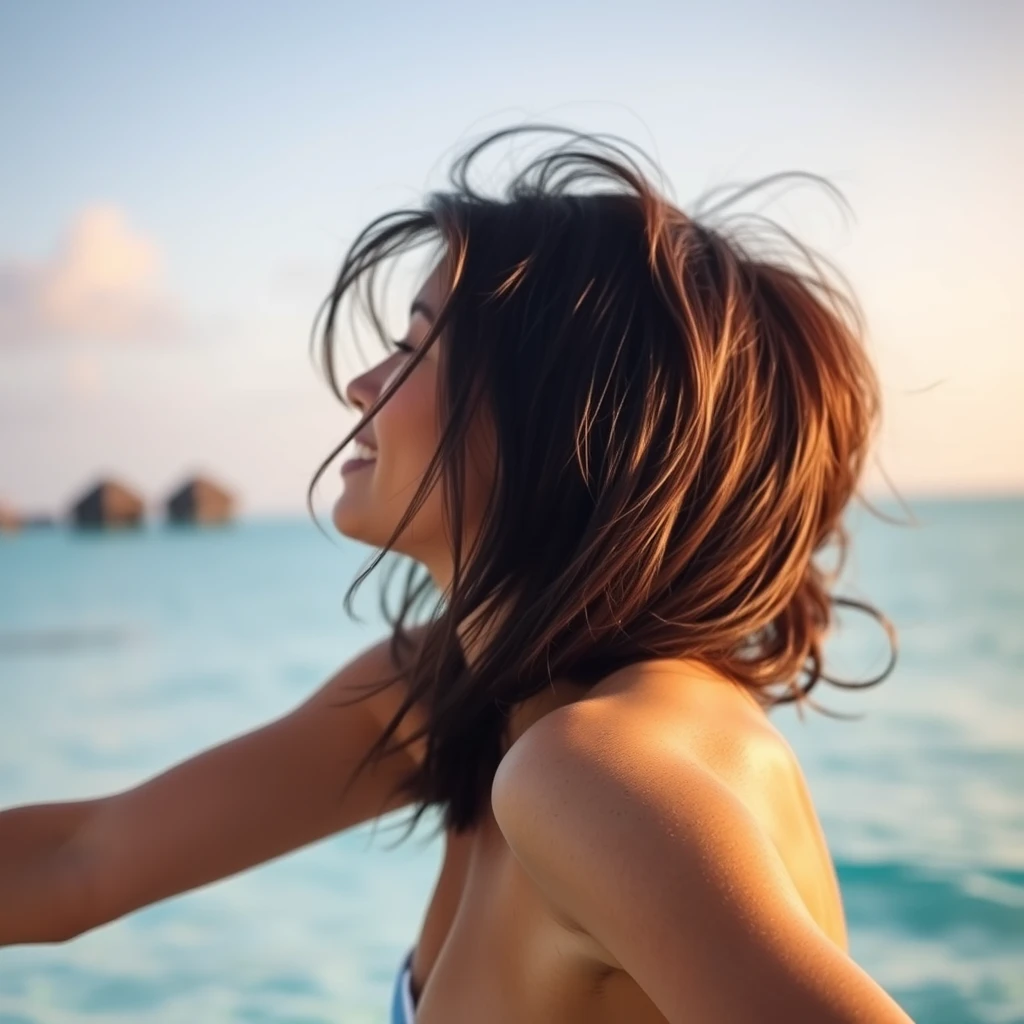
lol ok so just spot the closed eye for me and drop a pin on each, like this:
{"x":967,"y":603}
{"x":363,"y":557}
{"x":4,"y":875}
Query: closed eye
{"x":403,"y":346}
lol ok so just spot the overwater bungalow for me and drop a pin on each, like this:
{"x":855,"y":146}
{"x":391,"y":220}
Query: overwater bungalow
{"x":199,"y":500}
{"x":108,"y":503}
{"x":37,"y":520}
{"x":9,"y":519}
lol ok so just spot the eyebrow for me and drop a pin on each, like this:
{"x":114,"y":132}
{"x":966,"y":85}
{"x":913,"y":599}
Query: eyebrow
{"x":419,"y":306}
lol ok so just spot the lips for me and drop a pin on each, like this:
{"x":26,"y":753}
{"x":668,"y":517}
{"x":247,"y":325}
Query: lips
{"x":364,"y":453}
{"x":352,"y":464}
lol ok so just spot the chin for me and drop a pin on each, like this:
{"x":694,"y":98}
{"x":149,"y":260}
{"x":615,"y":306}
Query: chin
{"x":351,"y":521}
{"x":360,"y":524}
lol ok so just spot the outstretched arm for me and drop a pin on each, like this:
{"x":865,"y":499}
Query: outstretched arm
{"x":67,"y":867}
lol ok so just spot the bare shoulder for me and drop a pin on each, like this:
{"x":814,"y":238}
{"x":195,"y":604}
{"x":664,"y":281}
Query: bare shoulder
{"x":362,"y":681}
{"x":652,"y":816}
{"x":676,"y":737}
{"x":703,"y":719}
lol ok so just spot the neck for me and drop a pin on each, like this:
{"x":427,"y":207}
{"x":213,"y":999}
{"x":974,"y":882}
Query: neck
{"x":526,"y":712}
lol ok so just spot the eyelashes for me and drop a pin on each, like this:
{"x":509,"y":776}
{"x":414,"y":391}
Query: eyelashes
{"x":403,"y":346}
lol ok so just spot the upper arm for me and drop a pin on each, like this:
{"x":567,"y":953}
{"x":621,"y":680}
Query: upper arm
{"x":666,"y":869}
{"x":250,"y":799}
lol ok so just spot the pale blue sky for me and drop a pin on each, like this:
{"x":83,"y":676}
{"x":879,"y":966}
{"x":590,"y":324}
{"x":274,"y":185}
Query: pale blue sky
{"x":217,"y":158}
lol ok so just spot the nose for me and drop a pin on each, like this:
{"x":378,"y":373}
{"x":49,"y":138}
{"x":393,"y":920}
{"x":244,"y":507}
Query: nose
{"x":362,"y":390}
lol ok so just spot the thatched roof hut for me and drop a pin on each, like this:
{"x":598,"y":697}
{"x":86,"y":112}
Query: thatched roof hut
{"x":200,"y":500}
{"x":9,"y":519}
{"x":108,"y":503}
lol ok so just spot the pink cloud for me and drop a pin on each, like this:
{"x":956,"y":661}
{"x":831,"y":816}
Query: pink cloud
{"x":103,"y":281}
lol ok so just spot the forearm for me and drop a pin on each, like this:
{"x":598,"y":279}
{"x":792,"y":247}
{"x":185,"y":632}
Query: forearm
{"x":35,"y":830}
{"x":41,"y":899}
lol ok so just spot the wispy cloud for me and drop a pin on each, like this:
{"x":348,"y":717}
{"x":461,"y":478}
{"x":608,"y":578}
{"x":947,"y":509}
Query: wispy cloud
{"x":103,"y":282}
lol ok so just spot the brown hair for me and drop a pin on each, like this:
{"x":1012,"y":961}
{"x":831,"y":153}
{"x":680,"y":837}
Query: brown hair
{"x":682,"y":413}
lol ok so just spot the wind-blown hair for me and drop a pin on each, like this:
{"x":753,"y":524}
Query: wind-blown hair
{"x":682,"y":408}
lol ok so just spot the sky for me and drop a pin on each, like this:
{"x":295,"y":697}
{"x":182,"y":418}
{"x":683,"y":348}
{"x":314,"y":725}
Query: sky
{"x":179,"y":184}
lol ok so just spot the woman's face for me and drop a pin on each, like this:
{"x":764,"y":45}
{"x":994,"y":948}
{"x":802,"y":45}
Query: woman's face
{"x":404,"y":434}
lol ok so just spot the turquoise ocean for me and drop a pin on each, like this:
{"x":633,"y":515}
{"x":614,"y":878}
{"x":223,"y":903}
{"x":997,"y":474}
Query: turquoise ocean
{"x":123,"y":654}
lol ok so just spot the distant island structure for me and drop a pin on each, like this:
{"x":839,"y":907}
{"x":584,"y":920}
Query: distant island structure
{"x":36,"y":520}
{"x":200,"y":500}
{"x":9,"y":519}
{"x":108,"y":503}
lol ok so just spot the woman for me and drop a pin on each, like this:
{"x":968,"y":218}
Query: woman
{"x":611,"y":444}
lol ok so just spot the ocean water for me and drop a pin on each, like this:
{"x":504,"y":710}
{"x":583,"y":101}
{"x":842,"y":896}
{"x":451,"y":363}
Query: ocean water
{"x":123,"y":654}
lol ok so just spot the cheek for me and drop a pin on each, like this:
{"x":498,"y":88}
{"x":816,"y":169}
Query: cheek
{"x":406,"y":430}
{"x":373,"y":501}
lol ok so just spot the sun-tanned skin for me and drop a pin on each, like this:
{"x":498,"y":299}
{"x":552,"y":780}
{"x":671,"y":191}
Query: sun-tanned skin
{"x":504,"y":940}
{"x":66,"y":868}
{"x":650,"y":854}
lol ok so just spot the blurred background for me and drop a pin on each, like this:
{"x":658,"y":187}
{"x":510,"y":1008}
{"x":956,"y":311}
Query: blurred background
{"x":179,"y":185}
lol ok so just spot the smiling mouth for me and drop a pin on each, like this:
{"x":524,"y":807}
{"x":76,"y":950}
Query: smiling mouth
{"x":351,"y":465}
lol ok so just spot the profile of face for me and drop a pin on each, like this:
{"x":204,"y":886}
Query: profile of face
{"x":404,"y":435}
